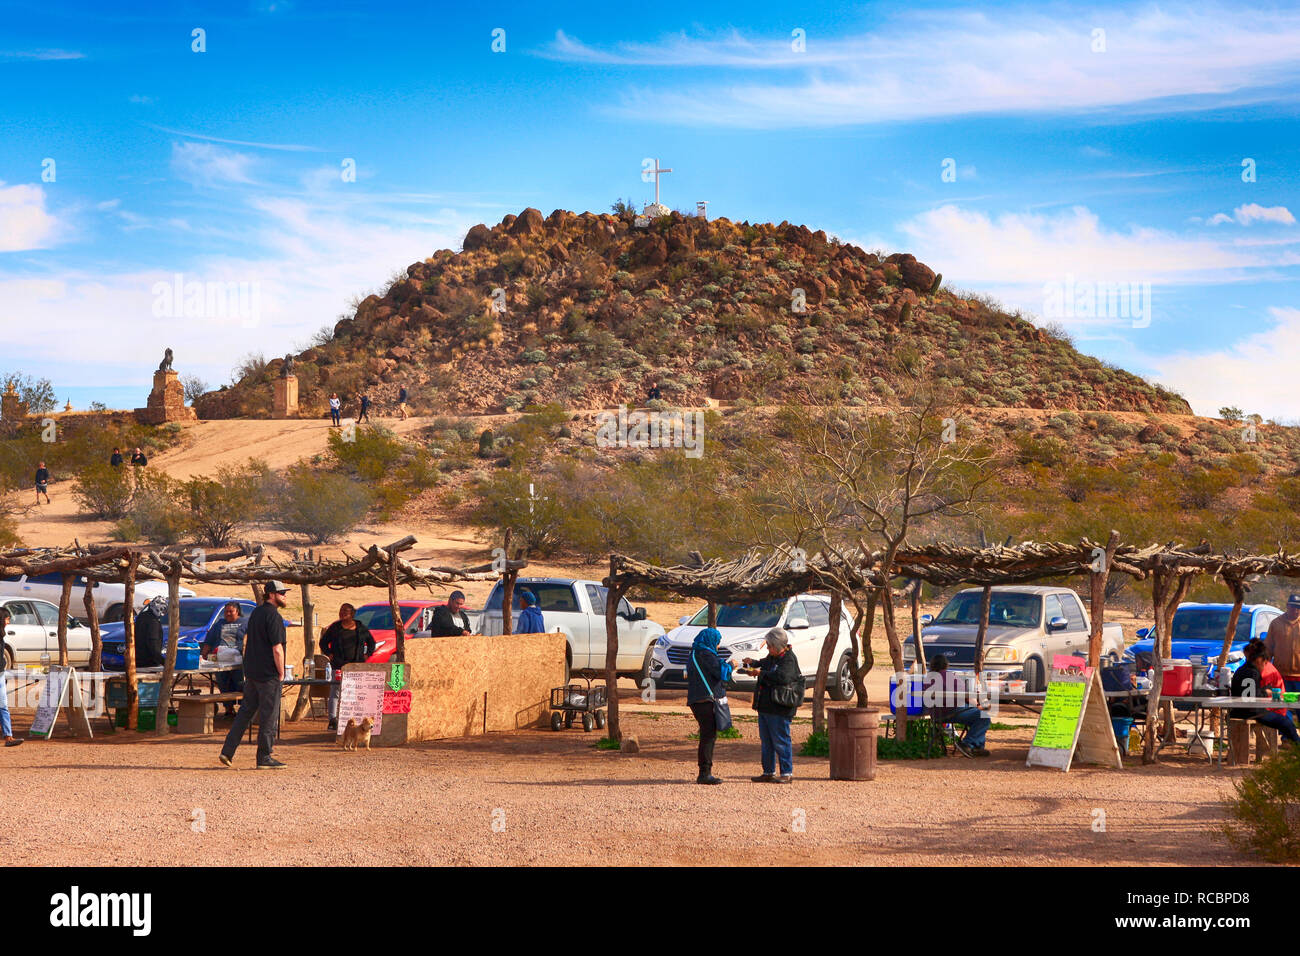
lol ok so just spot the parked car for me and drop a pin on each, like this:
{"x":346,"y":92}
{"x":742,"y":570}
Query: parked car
{"x":109,"y":596}
{"x":198,"y":614}
{"x":577,"y":608}
{"x":806,"y":617}
{"x":34,"y":630}
{"x":378,"y":617}
{"x":1198,"y":631}
{"x":1028,"y":626}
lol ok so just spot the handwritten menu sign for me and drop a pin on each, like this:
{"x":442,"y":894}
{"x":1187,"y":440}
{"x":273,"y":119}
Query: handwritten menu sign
{"x":362,"y":696}
{"x":60,"y":689}
{"x":1059,"y":722}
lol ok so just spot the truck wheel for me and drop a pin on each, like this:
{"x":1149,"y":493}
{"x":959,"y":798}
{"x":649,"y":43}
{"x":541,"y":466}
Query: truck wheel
{"x":643,"y":675}
{"x":588,"y":722}
{"x":568,"y":666}
{"x":1034,"y":675}
{"x":9,"y":659}
{"x":557,"y":720}
{"x":841,"y":681}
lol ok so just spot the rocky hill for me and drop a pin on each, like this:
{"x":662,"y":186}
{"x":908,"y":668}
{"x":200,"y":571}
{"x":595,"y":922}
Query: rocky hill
{"x":588,"y":310}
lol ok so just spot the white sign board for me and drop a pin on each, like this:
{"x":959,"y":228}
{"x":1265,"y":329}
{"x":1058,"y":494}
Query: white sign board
{"x":361,"y":696}
{"x":60,"y":689}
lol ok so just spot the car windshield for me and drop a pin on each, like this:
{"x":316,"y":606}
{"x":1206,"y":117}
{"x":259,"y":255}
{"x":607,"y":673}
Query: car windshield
{"x":763,"y":614}
{"x":379,"y":617}
{"x":1208,"y":624}
{"x":196,"y":615}
{"x":1006,"y":609}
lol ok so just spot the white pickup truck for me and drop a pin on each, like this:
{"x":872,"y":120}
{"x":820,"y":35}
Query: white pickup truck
{"x":109,"y":595}
{"x":1028,"y":626}
{"x":577,"y":608}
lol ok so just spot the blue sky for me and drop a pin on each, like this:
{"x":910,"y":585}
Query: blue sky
{"x":1086,"y":147}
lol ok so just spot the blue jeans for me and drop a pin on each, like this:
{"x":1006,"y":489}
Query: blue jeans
{"x":774,"y":738}
{"x":6,"y":725}
{"x":977,"y":722}
{"x":1281,"y":724}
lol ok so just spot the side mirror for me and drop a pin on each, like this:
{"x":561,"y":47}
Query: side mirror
{"x":683,"y":619}
{"x":927,"y":618}
{"x":1057,"y":624}
{"x":640,"y":614}
{"x":1142,"y":632}
{"x":797,"y":624}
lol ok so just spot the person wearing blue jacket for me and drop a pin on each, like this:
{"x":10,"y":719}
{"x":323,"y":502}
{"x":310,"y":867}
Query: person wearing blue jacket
{"x":704,"y":664}
{"x":531,"y":620}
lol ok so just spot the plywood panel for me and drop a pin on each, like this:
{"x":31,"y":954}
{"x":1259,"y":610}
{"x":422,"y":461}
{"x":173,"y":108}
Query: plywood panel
{"x":462,"y":686}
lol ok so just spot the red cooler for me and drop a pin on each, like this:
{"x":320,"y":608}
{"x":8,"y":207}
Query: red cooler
{"x":1178,"y":679}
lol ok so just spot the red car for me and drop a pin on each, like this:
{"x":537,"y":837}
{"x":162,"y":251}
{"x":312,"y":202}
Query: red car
{"x":416,"y":616}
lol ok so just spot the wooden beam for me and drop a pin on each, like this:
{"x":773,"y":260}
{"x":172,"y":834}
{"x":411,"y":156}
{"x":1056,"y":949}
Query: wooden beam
{"x":824,"y":664}
{"x":986,"y":602}
{"x":1097,"y":583}
{"x":65,"y":606}
{"x":128,"y":645}
{"x":173,"y":642}
{"x":612,"y":597}
{"x":92,"y":618}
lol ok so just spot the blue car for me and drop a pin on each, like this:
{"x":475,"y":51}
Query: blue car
{"x":1198,"y":631}
{"x":198,"y":615}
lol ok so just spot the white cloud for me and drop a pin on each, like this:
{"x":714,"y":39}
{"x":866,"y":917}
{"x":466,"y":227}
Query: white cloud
{"x":24,"y":221}
{"x":203,"y":164}
{"x":1254,"y":212}
{"x":41,"y":55}
{"x":1244,"y":374}
{"x":926,"y":64}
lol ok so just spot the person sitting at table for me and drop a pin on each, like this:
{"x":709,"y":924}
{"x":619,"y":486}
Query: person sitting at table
{"x":450,"y":620}
{"x":149,"y":635}
{"x":1255,"y":678}
{"x":346,"y":641}
{"x":225,"y":645}
{"x":531,"y":620}
{"x":952,"y":697}
{"x":6,"y":725}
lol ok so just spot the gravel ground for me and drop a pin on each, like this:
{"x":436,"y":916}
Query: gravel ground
{"x":540,"y":797}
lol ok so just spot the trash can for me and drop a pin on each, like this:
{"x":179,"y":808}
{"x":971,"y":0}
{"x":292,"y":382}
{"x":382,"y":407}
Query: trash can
{"x":852,"y":733}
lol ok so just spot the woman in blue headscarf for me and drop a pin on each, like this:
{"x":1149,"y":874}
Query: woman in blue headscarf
{"x":706,"y":675}
{"x":530,"y":620}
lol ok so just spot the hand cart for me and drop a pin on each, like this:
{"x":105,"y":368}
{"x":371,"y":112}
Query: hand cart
{"x":571,"y":700}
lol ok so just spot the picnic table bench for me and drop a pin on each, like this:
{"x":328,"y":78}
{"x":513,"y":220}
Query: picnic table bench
{"x":195,"y":712}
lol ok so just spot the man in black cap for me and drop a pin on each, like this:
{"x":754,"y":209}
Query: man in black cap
{"x":263,"y":676}
{"x":451,"y":620}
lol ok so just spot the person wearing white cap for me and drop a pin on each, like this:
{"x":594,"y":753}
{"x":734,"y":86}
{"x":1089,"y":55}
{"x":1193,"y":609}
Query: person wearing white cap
{"x":263,"y":678}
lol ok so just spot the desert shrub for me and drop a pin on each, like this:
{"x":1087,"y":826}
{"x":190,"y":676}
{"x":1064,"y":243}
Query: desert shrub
{"x":154,"y":514}
{"x":223,"y":504}
{"x":320,"y":505}
{"x":1264,"y":817}
{"x":103,"y":491}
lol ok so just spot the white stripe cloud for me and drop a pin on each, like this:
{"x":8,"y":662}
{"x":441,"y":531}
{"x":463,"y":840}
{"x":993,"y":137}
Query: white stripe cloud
{"x":1254,"y":212}
{"x":24,"y":221}
{"x":937,"y":63}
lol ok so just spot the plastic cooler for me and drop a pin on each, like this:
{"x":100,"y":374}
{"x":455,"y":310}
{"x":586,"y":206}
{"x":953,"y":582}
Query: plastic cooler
{"x":1177,"y":679}
{"x":915,"y":695}
{"x":187,"y":657}
{"x":1122,"y":727}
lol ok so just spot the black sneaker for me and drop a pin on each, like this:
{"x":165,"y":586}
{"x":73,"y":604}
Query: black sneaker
{"x":979,"y":752}
{"x":707,"y":778}
{"x":13,"y":741}
{"x":225,"y":761}
{"x":785,"y":778}
{"x":270,"y":763}
{"x":333,"y":724}
{"x":764,"y":778}
{"x":963,"y":749}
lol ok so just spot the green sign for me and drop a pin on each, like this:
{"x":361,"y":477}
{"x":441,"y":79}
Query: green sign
{"x":397,"y":676}
{"x":1060,"y":717}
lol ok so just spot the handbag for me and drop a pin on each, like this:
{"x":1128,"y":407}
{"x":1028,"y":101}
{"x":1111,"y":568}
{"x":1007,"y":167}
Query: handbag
{"x":721,"y":708}
{"x":790,"y":695}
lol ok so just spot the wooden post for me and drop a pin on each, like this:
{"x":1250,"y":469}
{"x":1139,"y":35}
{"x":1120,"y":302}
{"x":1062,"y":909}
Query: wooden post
{"x":1097,"y":580}
{"x":824,"y":664}
{"x":173,"y":640}
{"x":895,"y":649}
{"x":612,"y":598}
{"x":713,"y":614}
{"x":399,"y":626}
{"x":986,"y":601}
{"x":308,"y":649}
{"x":921,"y":664}
{"x":128,"y":645}
{"x":1159,"y":582}
{"x":508,"y":591}
{"x":1238,"y":590}
{"x":65,"y":605}
{"x":92,"y":618}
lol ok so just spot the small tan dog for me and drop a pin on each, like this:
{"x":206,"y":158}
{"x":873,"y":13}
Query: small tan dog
{"x":355,"y":733}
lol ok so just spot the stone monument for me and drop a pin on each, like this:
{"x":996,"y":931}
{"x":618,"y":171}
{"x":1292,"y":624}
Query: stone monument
{"x":167,"y":400}
{"x":13,"y":410}
{"x":286,"y":392}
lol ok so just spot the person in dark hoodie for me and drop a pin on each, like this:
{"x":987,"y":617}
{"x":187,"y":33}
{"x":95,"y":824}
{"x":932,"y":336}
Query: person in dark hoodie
{"x":531,"y":620}
{"x":779,"y":669}
{"x":149,"y":634}
{"x":346,"y":641}
{"x":704,"y":664}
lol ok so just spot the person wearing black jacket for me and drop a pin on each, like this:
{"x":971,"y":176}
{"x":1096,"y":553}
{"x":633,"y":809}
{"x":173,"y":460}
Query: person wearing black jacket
{"x":1250,"y":680}
{"x":149,"y":635}
{"x":705,"y":665}
{"x":263,"y":680}
{"x":450,"y":620}
{"x":346,"y":641}
{"x":779,"y":670}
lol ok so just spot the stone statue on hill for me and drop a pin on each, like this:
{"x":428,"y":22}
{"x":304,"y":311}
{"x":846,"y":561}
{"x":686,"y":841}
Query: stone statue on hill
{"x":287,"y":368}
{"x":166,"y":364}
